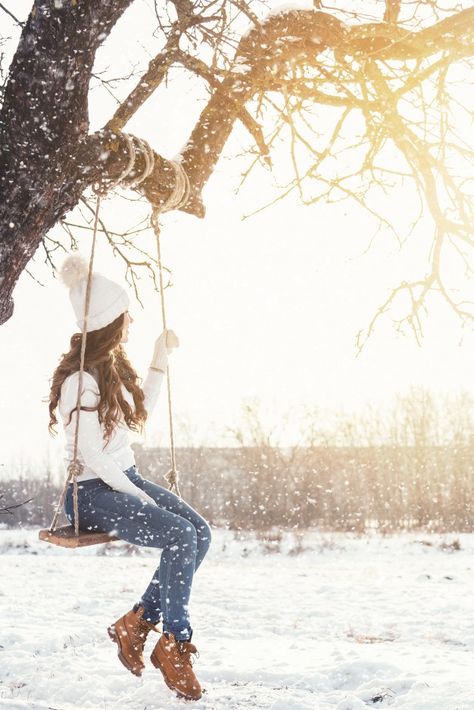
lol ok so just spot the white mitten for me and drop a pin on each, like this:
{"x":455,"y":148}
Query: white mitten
{"x":163,"y":346}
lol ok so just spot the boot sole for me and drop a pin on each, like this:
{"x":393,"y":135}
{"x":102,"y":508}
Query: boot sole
{"x":178,"y":692}
{"x":114,"y":637}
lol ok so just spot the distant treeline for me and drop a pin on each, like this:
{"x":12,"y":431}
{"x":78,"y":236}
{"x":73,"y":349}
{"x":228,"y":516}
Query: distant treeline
{"x":411,"y":468}
{"x":335,"y":488}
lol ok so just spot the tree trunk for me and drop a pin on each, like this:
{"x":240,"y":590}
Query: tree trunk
{"x":44,"y":124}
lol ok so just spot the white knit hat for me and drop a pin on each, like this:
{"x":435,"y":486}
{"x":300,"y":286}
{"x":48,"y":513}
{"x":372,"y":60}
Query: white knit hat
{"x":108,"y":299}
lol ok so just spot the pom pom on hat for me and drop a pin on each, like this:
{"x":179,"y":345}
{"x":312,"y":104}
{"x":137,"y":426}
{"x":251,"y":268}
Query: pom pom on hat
{"x":74,"y":270}
{"x":108,"y":300}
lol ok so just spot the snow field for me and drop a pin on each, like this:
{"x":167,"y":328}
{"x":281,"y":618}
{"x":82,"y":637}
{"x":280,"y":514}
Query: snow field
{"x":350,"y":623}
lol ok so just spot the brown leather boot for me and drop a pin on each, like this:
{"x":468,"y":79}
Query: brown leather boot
{"x":173,"y":658}
{"x":129,"y":633}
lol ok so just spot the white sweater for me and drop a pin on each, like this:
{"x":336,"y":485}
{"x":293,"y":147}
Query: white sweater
{"x":107,"y":461}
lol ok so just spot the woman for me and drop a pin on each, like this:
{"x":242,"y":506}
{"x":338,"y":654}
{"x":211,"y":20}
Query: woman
{"x":112,"y":496}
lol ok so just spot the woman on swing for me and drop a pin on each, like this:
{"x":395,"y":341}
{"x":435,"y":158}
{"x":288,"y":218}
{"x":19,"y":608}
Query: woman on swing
{"x":112,"y":496}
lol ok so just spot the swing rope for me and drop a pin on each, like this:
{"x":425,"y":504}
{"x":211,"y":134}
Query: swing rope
{"x":75,"y":468}
{"x":178,"y":197}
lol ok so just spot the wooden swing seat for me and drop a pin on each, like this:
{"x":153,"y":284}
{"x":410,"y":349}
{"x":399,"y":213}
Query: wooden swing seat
{"x":66,"y":537}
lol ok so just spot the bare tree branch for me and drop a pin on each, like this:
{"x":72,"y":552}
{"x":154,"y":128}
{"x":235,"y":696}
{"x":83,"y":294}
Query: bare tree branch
{"x":8,"y":12}
{"x":8,"y":509}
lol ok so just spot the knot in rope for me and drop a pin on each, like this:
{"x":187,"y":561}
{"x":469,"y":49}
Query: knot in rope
{"x":75,"y":468}
{"x":172,"y":479}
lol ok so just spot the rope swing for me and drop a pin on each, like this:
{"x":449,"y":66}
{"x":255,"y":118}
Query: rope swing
{"x":178,"y":197}
{"x":69,"y":536}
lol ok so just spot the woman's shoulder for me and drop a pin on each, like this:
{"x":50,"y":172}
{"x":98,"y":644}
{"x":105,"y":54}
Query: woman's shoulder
{"x":71,"y":383}
{"x":88,"y":380}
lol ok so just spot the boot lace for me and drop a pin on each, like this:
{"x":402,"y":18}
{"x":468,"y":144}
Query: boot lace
{"x":186,"y":650}
{"x":146,"y":626}
{"x":141,"y":632}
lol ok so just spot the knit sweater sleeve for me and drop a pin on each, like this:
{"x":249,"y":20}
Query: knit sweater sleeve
{"x":152,"y":388}
{"x":90,"y":440}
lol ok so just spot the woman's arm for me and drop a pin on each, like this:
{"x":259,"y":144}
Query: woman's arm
{"x":91,"y":441}
{"x":156,"y":373}
{"x":152,"y":388}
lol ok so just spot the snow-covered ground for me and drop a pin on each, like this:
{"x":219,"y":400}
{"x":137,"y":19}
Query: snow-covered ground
{"x":349,"y":623}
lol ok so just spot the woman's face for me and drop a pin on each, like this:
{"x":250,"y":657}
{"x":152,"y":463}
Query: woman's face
{"x":127,"y":319}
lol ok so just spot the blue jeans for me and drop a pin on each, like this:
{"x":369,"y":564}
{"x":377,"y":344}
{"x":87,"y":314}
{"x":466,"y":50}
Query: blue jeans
{"x":172,"y":525}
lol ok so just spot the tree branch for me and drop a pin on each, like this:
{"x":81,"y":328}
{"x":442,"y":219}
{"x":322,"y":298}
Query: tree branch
{"x":8,"y":12}
{"x":149,"y":82}
{"x":392,"y":10}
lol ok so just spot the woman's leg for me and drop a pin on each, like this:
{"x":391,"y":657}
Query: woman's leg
{"x":168,"y":500}
{"x":128,"y":517}
{"x":131,"y":519}
{"x":162,"y":587}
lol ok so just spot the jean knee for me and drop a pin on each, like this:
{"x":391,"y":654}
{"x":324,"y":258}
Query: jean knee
{"x":186,"y":534}
{"x":204,"y":535}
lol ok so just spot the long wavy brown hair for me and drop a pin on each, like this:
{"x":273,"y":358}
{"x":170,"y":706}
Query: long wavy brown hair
{"x":105,"y":354}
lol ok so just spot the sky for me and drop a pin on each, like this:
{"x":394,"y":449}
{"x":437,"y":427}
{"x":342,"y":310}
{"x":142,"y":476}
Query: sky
{"x":267,"y":308}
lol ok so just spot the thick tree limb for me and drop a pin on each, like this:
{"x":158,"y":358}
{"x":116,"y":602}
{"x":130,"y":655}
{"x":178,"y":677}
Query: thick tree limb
{"x":105,"y":155}
{"x":380,"y":41}
{"x":201,"y":69}
{"x":310,"y":33}
{"x":255,"y":53}
{"x":157,"y":68}
{"x":149,"y":82}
